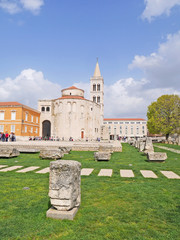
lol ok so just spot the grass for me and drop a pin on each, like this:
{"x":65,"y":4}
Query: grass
{"x":111,"y":208}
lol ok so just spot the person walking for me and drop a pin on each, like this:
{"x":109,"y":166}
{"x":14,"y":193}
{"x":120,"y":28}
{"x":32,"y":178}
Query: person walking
{"x":6,"y":136}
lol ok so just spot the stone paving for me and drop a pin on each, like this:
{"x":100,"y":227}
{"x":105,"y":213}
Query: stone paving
{"x":105,"y":172}
{"x":43,"y":171}
{"x":86,"y":171}
{"x":125,"y":173}
{"x":170,"y":174}
{"x":169,"y":149}
{"x":10,"y":168}
{"x":148,"y":174}
{"x":1,"y":166}
{"x":28,"y":169}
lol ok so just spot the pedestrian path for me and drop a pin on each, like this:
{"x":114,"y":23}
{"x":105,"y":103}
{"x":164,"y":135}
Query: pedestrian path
{"x":169,"y":149}
{"x":124,"y":173}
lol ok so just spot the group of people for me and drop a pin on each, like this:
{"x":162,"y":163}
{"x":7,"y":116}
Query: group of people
{"x":5,"y":137}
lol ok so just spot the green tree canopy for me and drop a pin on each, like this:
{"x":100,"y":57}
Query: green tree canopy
{"x":164,"y":115}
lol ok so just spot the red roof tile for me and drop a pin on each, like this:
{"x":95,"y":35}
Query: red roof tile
{"x":10,"y":104}
{"x":71,"y":97}
{"x":72,"y":87}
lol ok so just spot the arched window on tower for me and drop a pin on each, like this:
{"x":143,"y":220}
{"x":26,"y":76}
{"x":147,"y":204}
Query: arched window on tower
{"x":43,"y":109}
{"x":94,"y":87}
{"x":98,"y":87}
{"x":98,"y":99}
{"x":94,"y":99}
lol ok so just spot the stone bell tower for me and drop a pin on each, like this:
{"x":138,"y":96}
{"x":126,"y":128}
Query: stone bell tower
{"x":97,"y":89}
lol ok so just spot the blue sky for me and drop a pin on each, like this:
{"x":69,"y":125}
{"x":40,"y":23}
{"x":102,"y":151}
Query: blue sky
{"x":49,"y":45}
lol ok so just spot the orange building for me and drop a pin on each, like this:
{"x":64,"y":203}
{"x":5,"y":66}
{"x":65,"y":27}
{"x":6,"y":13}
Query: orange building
{"x":19,"y":119}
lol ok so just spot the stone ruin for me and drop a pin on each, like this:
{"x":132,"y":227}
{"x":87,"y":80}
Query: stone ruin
{"x":54,"y":154}
{"x":147,"y":147}
{"x":8,"y":152}
{"x":64,"y":189}
{"x":104,"y":153}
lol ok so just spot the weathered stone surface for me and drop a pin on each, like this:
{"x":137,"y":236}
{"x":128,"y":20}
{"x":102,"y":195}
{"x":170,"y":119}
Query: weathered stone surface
{"x":106,"y":148}
{"x":148,"y":146}
{"x":102,"y":156}
{"x":141,"y":146}
{"x":64,"y":184}
{"x":156,"y":156}
{"x":170,"y":174}
{"x":148,"y":174}
{"x":51,"y":154}
{"x":28,"y":150}
{"x":8,"y":152}
{"x":65,"y":150}
{"x":117,"y":146}
{"x":105,"y":172}
{"x":53,"y":213}
{"x":86,"y":171}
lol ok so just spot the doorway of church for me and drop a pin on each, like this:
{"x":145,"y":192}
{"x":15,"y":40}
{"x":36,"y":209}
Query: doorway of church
{"x":82,"y":134}
{"x":46,"y":129}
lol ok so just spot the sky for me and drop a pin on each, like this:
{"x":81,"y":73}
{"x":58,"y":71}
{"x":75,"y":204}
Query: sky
{"x":48,"y":45}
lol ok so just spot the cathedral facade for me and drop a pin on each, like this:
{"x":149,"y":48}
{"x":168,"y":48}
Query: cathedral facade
{"x":72,"y":116}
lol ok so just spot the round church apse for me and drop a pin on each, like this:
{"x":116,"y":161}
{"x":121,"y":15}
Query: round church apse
{"x":46,"y":129}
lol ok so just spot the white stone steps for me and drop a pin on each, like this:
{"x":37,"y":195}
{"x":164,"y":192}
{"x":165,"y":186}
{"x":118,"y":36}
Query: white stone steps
{"x":86,"y":171}
{"x":126,"y":173}
{"x":10,"y":168}
{"x":170,"y":174}
{"x":28,"y":169}
{"x":105,"y":172}
{"x":148,"y":174}
{"x":44,"y":170}
{"x":1,"y":166}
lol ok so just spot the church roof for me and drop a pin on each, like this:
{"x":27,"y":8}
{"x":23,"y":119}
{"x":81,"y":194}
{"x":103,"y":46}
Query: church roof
{"x":124,"y":119}
{"x":71,"y":97}
{"x":72,"y":87}
{"x":97,"y":72}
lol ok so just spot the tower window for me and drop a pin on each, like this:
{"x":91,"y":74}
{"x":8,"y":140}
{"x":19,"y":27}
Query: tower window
{"x":43,"y":109}
{"x":94,"y":87}
{"x":98,"y":99}
{"x":98,"y":87}
{"x":94,"y":99}
{"x":47,"y":109}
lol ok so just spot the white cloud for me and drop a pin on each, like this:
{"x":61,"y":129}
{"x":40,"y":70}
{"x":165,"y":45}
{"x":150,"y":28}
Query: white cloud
{"x":156,"y":8}
{"x":130,"y":98}
{"x":28,"y":87}
{"x":162,"y":68}
{"x":16,"y":6}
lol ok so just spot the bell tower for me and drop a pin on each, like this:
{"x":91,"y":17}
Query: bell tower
{"x":97,"y":89}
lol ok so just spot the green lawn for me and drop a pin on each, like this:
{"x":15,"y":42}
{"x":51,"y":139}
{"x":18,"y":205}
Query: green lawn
{"x":111,"y":208}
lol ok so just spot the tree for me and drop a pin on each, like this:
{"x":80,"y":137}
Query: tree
{"x":164,"y":115}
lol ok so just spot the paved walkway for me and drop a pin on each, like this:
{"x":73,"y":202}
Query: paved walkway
{"x":124,"y":173}
{"x":169,"y":149}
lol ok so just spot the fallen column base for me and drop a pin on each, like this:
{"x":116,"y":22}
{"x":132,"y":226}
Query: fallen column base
{"x":56,"y":214}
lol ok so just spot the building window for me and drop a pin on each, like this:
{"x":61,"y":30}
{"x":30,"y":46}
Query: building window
{"x":98,"y":87}
{"x":121,"y":122}
{"x":31,"y":129}
{"x":13,"y":128}
{"x":26,"y":117}
{"x":42,"y":109}
{"x":131,"y":129}
{"x":98,"y":99}
{"x":25,"y":129}
{"x":143,"y":132}
{"x":120,"y":129}
{"x":47,"y":109}
{"x":137,"y":130}
{"x":13,"y":115}
{"x":132,"y":122}
{"x":110,"y":122}
{"x":1,"y":115}
{"x":115,"y":122}
{"x":137,"y":122}
{"x":31,"y":118}
{"x":109,"y":129}
{"x":1,"y":128}
{"x":126,"y":122}
{"x":36,"y":119}
{"x":104,"y":122}
{"x":94,"y":99}
{"x":126,"y":130}
{"x":94,"y":87}
{"x":36,"y":130}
